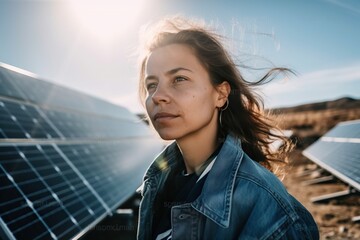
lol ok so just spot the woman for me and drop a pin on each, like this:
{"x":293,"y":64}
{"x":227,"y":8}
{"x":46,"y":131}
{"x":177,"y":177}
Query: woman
{"x":214,"y":181}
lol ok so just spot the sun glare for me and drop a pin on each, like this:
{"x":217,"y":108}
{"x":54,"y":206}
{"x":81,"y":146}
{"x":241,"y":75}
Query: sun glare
{"x":105,"y":19}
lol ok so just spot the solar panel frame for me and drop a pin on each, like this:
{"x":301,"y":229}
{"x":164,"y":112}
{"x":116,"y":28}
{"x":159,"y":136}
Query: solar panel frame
{"x":56,"y":96}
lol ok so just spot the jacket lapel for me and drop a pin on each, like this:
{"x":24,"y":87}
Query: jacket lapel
{"x":215,"y":200}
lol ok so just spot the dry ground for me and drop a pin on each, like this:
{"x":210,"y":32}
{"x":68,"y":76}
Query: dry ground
{"x":335,"y":217}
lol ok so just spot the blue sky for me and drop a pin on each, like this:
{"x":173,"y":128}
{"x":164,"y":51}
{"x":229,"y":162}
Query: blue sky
{"x":80,"y":47}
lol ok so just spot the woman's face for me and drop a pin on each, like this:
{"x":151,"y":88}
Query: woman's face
{"x":181,"y":101}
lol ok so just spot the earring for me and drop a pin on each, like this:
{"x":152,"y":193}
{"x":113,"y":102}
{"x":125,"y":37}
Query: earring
{"x":227,"y":105}
{"x":221,"y":111}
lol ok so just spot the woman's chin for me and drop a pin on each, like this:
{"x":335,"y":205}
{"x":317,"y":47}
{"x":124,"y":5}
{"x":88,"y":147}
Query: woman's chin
{"x":167,"y":137}
{"x":167,"y":133}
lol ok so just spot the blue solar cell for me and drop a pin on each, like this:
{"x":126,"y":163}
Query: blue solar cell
{"x":9,"y":126}
{"x":7,"y":88}
{"x":77,"y":125}
{"x":23,"y":121}
{"x":347,"y":130}
{"x":338,"y":151}
{"x":106,"y":164}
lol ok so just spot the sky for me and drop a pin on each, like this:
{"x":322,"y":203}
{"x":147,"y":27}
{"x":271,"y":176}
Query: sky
{"x":90,"y":46}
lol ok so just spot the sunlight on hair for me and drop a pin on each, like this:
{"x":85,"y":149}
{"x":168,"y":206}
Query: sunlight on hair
{"x":276,"y":144}
{"x":105,"y":19}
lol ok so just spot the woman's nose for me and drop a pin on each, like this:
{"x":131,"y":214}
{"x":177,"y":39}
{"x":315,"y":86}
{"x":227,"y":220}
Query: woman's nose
{"x":161,"y":94}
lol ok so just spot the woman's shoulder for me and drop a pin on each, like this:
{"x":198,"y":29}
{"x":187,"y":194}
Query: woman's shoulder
{"x":253,"y":171}
{"x":258,"y":193}
{"x":259,"y":185}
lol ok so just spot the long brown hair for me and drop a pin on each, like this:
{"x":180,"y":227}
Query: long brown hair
{"x":244,"y":117}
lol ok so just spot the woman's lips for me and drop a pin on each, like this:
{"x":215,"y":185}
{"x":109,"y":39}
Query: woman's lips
{"x":164,"y":116}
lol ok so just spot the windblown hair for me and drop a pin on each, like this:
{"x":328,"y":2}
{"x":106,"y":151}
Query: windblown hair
{"x":245,"y":117}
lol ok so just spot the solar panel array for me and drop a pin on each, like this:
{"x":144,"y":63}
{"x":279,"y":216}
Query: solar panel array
{"x":67,"y":159}
{"x":338,"y":152}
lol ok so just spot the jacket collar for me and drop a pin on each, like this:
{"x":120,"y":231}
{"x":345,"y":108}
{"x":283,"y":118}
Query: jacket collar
{"x":216,"y":198}
{"x":164,"y":161}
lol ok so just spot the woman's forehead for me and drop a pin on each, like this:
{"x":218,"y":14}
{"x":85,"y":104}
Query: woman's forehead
{"x":170,"y":57}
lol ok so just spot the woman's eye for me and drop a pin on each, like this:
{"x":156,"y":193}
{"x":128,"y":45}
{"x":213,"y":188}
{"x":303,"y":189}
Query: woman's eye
{"x":151,"y":86}
{"x":180,"y":79}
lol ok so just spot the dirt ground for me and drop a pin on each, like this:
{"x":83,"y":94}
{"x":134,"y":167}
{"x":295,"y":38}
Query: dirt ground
{"x":334,"y":218}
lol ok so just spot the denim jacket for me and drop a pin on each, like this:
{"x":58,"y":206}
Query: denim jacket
{"x":240,"y":199}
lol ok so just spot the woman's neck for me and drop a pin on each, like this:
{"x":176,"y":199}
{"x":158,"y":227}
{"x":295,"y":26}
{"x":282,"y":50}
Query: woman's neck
{"x":197,"y":149}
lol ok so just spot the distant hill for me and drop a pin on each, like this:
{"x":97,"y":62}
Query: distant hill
{"x":341,"y":103}
{"x":310,"y":121}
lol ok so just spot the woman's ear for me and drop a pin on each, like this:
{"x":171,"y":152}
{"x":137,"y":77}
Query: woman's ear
{"x":223,"y":90}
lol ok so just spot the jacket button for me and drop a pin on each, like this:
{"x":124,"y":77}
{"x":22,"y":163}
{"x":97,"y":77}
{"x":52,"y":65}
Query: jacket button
{"x":182,"y":216}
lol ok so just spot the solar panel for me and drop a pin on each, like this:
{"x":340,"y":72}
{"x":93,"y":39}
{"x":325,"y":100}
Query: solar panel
{"x":338,"y":152}
{"x":67,"y":159}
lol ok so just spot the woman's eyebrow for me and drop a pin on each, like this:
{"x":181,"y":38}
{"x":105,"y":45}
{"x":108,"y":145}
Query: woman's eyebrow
{"x":175,"y":70}
{"x":170,"y":72}
{"x":150,"y":77}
